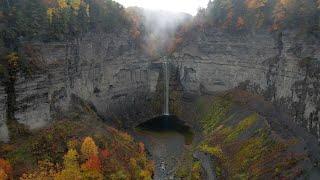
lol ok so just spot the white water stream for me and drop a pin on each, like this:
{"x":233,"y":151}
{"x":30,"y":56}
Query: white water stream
{"x":166,"y":88}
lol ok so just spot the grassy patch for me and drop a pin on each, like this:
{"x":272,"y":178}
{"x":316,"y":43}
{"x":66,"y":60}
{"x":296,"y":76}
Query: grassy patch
{"x":215,"y":150}
{"x":185,"y":165}
{"x":216,"y":114}
{"x":196,"y":171}
{"x":258,"y":155}
{"x":241,"y":127}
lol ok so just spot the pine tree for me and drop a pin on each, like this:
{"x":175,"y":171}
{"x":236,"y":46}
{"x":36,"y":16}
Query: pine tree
{"x":31,"y":19}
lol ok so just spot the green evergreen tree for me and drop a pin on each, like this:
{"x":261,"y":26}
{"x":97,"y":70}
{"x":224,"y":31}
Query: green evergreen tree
{"x":31,"y":20}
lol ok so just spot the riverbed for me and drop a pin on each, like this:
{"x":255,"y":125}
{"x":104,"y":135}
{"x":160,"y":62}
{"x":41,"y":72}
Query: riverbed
{"x":165,"y":138}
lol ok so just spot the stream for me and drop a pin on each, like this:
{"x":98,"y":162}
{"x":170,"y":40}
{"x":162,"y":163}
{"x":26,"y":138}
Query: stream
{"x":165,"y":138}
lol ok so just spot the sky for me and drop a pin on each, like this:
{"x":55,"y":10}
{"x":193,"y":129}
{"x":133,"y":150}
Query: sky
{"x":187,"y":6}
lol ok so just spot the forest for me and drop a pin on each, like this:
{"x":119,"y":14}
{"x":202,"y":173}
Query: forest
{"x":125,"y":68}
{"x":63,"y":20}
{"x":272,"y":15}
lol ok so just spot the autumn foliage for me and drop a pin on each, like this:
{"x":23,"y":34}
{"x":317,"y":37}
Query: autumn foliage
{"x":93,"y":162}
{"x":71,"y":167}
{"x":89,"y":148}
{"x":105,"y":153}
{"x":13,"y":60}
{"x":77,"y":147}
{"x":52,"y":20}
{"x":272,"y":15}
{"x":46,"y":171}
{"x":5,"y":169}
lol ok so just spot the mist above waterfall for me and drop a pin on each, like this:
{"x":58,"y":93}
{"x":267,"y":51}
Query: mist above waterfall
{"x":158,"y":28}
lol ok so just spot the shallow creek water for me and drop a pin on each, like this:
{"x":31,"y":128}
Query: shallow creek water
{"x":165,"y":138}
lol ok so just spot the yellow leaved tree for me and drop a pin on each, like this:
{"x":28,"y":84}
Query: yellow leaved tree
{"x":89,"y":148}
{"x":13,"y":60}
{"x":75,"y":4}
{"x":255,"y":4}
{"x":50,"y":13}
{"x":62,"y":4}
{"x":71,"y":169}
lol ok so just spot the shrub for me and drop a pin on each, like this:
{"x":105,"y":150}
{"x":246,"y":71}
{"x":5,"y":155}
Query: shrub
{"x":145,"y":175}
{"x":141,"y":147}
{"x":119,"y":175}
{"x":5,"y":165}
{"x":45,"y":171}
{"x":2,"y":71}
{"x":105,"y":153}
{"x":92,"y":175}
{"x":13,"y":60}
{"x":3,"y":175}
{"x":5,"y":169}
{"x":216,"y":114}
{"x":72,"y":144}
{"x":196,"y":170}
{"x":93,"y":163}
{"x":215,"y":151}
{"x":241,"y":127}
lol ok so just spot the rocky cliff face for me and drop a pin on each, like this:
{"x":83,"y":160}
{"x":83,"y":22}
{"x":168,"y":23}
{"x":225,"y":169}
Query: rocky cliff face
{"x":105,"y":70}
{"x":3,"y":107}
{"x":111,"y":73}
{"x":282,"y":67}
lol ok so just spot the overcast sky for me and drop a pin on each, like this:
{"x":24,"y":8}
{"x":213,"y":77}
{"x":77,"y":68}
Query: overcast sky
{"x":187,"y":6}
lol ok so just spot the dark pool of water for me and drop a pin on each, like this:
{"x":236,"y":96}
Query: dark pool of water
{"x":165,"y":125}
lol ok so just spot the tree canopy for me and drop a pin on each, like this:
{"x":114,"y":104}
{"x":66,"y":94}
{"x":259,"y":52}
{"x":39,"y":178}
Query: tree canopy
{"x":52,"y":20}
{"x":257,"y":14}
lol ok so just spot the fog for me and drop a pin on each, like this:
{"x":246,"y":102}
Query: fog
{"x":160,"y":20}
{"x":161,"y":27}
{"x":186,"y":6}
{"x":158,"y":29}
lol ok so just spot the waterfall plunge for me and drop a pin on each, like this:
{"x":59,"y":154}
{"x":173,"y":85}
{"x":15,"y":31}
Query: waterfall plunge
{"x":166,"y":88}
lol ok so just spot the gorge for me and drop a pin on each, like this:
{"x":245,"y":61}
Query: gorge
{"x":69,"y":70}
{"x":250,"y":98}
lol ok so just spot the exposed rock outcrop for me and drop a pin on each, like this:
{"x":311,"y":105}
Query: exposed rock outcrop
{"x":106,"y":70}
{"x":3,"y":106}
{"x":283,"y":67}
{"x":111,"y":72}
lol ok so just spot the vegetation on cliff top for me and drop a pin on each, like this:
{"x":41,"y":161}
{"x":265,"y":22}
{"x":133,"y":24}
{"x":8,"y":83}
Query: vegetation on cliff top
{"x":45,"y":21}
{"x":262,"y":14}
{"x":48,"y":20}
{"x":54,"y":20}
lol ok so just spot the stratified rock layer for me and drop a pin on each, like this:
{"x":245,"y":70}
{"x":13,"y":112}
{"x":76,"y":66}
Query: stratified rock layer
{"x":106,"y":70}
{"x":112,"y":73}
{"x":283,"y":67}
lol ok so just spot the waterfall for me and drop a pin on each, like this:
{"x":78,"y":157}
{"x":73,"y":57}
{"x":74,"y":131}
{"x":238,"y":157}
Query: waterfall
{"x":166,"y":88}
